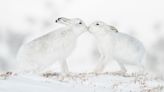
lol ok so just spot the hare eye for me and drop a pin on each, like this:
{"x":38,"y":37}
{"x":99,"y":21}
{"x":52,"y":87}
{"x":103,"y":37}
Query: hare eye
{"x":80,"y":22}
{"x":97,"y":24}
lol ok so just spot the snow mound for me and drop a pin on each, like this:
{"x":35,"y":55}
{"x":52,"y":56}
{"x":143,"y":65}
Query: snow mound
{"x":83,"y":82}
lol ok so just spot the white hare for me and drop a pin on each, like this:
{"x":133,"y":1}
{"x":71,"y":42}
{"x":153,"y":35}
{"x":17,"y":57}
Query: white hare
{"x":114,"y":45}
{"x":49,"y":48}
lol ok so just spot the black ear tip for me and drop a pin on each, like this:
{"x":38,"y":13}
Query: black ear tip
{"x":97,"y":24}
{"x":59,"y":18}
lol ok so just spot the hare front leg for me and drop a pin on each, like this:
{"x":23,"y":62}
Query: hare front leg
{"x":64,"y":70}
{"x":101,"y":65}
{"x":122,"y":70}
{"x":64,"y":67}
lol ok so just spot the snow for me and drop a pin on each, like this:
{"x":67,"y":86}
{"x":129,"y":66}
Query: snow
{"x":82,"y":83}
{"x":142,"y":19}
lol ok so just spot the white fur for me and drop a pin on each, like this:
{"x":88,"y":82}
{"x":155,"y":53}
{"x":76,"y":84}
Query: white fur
{"x":114,"y":45}
{"x":54,"y":46}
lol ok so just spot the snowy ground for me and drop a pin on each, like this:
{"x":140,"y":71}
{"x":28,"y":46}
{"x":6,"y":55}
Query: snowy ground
{"x":22,"y":19}
{"x":82,"y":83}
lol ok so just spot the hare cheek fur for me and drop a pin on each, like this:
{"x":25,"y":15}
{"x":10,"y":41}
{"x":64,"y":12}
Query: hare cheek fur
{"x":45,"y":50}
{"x":118,"y":46}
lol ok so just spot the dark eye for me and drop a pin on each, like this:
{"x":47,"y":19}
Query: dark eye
{"x":97,"y":24}
{"x":80,"y":22}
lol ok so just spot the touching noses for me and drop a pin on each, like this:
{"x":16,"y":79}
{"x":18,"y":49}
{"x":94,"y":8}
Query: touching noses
{"x":87,"y":27}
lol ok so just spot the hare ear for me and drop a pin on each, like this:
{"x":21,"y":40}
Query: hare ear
{"x":113,"y":28}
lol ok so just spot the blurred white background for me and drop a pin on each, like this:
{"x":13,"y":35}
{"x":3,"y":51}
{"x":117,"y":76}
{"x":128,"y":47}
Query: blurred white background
{"x":22,"y":20}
